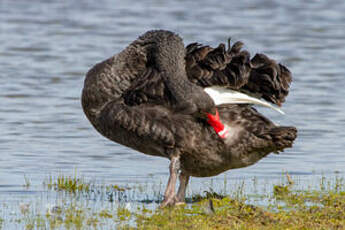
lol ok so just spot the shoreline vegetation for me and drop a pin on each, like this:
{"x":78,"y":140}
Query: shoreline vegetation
{"x":285,"y":206}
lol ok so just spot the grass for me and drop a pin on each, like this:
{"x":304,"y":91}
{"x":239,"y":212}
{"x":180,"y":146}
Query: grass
{"x":302,"y":210}
{"x":68,"y":184}
{"x":77,"y":184}
{"x":286,"y":207}
{"x":27,"y":182}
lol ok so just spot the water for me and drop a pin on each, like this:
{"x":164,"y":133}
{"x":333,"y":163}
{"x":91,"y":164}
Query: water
{"x":48,"y":46}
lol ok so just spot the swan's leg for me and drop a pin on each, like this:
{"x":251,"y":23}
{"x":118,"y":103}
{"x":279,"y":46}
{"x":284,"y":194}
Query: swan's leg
{"x":169,"y":195}
{"x":180,"y":197}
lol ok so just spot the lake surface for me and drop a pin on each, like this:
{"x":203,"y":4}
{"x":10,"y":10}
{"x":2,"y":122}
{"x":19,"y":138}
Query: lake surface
{"x":48,"y":46}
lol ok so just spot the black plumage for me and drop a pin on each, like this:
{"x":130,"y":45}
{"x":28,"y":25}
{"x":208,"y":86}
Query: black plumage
{"x":150,"y":97}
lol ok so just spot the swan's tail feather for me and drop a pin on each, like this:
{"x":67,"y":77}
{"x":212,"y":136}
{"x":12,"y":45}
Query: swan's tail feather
{"x":283,"y":136}
{"x":221,"y":95}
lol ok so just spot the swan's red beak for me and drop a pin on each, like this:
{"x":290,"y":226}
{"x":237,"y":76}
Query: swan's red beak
{"x":217,"y":125}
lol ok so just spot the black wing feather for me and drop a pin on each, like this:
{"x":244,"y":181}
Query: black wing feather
{"x":261,"y":76}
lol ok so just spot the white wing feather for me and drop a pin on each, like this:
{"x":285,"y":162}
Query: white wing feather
{"x":222,"y":95}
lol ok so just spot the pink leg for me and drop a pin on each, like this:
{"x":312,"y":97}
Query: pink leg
{"x":169,"y":195}
{"x":180,"y":198}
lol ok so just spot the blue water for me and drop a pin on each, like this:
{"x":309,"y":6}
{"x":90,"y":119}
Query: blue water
{"x":48,"y":46}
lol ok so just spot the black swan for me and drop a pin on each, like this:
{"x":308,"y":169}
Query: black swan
{"x":161,"y":98}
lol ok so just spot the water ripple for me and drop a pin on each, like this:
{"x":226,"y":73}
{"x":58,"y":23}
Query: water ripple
{"x":47,"y":47}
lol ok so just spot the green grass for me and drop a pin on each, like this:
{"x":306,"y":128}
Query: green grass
{"x":77,"y":184}
{"x":322,"y":208}
{"x":302,"y":210}
{"x":68,"y":184}
{"x":286,"y":207}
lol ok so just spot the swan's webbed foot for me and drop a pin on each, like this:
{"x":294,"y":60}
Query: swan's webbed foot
{"x":168,"y":202}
